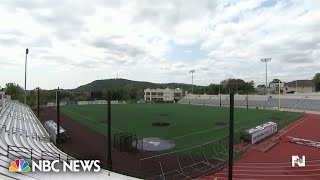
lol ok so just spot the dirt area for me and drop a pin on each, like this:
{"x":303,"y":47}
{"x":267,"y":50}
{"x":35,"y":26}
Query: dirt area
{"x":89,"y":144}
{"x":221,"y":123}
{"x":160,"y":124}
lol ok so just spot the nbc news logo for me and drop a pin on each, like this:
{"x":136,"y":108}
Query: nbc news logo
{"x":296,"y":160}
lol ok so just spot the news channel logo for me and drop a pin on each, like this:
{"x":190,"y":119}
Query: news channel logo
{"x":297,"y":161}
{"x":19,"y":165}
{"x":22,"y":166}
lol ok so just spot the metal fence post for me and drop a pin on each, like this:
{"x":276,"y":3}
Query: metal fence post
{"x":230,"y":164}
{"x":109,"y":160}
{"x":8,"y":150}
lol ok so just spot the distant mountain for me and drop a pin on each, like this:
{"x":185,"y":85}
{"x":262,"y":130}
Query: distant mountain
{"x":106,"y":84}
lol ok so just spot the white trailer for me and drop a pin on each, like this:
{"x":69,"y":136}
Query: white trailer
{"x":261,"y":132}
{"x":51,"y":127}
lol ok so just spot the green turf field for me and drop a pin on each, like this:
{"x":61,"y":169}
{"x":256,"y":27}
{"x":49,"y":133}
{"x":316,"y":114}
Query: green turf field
{"x":190,"y":125}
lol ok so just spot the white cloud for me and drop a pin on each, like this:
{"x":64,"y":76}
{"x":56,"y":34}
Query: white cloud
{"x":75,"y":42}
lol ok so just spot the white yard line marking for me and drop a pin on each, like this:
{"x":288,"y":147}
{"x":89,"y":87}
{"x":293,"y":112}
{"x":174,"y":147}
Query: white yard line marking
{"x":198,"y":132}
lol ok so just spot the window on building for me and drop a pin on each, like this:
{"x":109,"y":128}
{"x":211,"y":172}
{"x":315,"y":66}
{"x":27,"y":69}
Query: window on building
{"x":148,"y":93}
{"x":153,"y":93}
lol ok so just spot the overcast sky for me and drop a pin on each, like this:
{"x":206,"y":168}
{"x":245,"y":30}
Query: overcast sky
{"x":75,"y":42}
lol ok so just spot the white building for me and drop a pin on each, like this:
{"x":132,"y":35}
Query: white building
{"x":162,"y":95}
{"x":299,"y":86}
{"x":274,"y":87}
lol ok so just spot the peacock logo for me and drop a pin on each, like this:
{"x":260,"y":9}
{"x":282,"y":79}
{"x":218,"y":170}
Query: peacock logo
{"x":19,"y":166}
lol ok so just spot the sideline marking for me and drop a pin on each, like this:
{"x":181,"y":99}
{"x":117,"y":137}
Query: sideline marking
{"x":271,"y":175}
{"x":259,"y":163}
{"x":295,"y":125}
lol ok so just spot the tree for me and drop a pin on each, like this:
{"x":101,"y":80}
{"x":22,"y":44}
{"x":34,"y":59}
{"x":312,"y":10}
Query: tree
{"x":276,"y":80}
{"x":213,"y":89}
{"x":250,"y":86}
{"x":31,"y":98}
{"x":15,"y":91}
{"x":316,"y":81}
{"x":65,"y":99}
{"x":236,"y":86}
{"x":81,"y":98}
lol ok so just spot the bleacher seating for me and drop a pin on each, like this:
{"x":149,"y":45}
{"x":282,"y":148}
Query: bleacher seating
{"x":309,"y":104}
{"x":285,"y":103}
{"x":298,"y":102}
{"x":19,"y":130}
{"x":21,"y":133}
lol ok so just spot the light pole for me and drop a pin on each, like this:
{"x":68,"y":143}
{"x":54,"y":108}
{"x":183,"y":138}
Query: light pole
{"x":192,"y":71}
{"x":25,"y":77}
{"x":266,"y":60}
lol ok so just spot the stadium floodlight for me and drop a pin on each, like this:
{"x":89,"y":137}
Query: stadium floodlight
{"x":192,"y":71}
{"x":25,"y":77}
{"x":266,"y":60}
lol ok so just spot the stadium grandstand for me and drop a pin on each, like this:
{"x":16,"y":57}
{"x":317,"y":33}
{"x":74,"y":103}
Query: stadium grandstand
{"x":22,"y":136}
{"x":303,"y":102}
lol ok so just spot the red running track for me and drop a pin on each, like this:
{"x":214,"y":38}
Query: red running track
{"x":276,"y":163}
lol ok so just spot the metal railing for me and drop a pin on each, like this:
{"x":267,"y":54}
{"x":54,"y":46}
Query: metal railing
{"x":50,"y":154}
{"x":2,"y":126}
{"x":19,"y":150}
{"x":43,"y":138}
{"x":15,"y":130}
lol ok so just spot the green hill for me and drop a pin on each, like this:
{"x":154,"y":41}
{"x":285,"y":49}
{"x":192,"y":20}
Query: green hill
{"x":108,"y":84}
